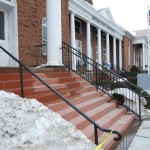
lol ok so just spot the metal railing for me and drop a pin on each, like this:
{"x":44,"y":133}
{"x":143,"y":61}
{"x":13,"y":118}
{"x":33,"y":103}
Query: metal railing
{"x":96,"y":126}
{"x":104,"y":79}
{"x":41,"y":54}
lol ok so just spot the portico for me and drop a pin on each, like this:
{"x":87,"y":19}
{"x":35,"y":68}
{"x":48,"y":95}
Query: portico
{"x":104,"y":47}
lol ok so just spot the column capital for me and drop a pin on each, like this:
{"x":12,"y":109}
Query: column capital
{"x":88,"y":22}
{"x":114,"y":37}
{"x":71,"y":12}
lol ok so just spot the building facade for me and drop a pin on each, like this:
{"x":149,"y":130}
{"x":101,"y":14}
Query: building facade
{"x":26,"y":23}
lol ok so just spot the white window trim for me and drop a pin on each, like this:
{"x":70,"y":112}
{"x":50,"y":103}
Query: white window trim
{"x":44,"y":40}
{"x":80,"y":29}
{"x":80,"y":50}
{"x":129,"y":54}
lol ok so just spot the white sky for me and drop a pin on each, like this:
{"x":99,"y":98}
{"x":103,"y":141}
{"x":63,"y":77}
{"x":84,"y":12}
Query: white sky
{"x":130,"y":14}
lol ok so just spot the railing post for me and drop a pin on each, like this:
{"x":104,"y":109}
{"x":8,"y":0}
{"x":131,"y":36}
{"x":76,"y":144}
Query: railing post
{"x":96,"y":135}
{"x":21,"y":81}
{"x":140,"y":108}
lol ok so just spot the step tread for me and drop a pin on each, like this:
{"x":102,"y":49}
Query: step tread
{"x":120,"y":125}
{"x":75,"y":100}
{"x":106,"y":121}
{"x":82,"y":105}
{"x":93,"y":112}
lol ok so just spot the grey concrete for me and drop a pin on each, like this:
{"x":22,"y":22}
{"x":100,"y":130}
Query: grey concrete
{"x":143,"y":81}
{"x":141,"y":140}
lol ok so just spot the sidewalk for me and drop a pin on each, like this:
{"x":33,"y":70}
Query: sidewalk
{"x":141,"y":140}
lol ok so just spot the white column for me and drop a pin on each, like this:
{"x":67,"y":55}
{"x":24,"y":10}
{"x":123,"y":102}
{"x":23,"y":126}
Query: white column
{"x":54,"y":32}
{"x":99,"y":50}
{"x":88,"y":42}
{"x":120,"y":54}
{"x":73,"y":42}
{"x":143,"y":54}
{"x":114,"y":51}
{"x":107,"y":50}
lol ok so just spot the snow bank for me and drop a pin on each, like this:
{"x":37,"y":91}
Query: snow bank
{"x":28,"y":125}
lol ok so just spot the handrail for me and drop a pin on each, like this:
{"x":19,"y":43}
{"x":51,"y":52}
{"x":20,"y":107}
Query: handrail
{"x":96,"y":126}
{"x":72,"y":56}
{"x":40,"y":45}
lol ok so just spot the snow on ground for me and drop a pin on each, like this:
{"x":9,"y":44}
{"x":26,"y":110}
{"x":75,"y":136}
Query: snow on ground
{"x":134,"y":98}
{"x":28,"y":125}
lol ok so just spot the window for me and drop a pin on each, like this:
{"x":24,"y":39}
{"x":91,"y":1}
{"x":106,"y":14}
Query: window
{"x":44,"y":35}
{"x":79,"y":46}
{"x":77,"y":26}
{"x":137,"y":57}
{"x":96,"y":53}
{"x":103,"y":38}
{"x":79,"y":55}
{"x":105,"y":62}
{"x":2,"y":26}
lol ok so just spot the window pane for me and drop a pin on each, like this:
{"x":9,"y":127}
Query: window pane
{"x":2,"y":37}
{"x":77,"y":26}
{"x":44,"y":29}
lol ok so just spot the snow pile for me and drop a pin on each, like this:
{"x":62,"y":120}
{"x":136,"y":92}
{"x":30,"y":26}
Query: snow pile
{"x":28,"y":125}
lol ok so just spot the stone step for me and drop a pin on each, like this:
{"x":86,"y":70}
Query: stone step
{"x":109,"y":117}
{"x":75,"y":100}
{"x":121,"y":125}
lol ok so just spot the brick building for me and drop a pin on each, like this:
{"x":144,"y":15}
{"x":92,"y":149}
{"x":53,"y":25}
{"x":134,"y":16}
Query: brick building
{"x":76,"y":22}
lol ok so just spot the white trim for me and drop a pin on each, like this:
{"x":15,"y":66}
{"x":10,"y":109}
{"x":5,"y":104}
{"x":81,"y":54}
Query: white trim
{"x":120,"y":53}
{"x":99,"y":47}
{"x":129,"y":54}
{"x":114,"y":51}
{"x":54,"y":32}
{"x":80,"y":28}
{"x":88,"y":13}
{"x":107,"y":49}
{"x":12,"y":44}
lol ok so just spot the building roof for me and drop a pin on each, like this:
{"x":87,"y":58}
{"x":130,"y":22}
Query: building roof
{"x":141,"y":33}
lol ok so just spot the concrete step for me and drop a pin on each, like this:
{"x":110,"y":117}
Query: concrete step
{"x":95,"y":104}
{"x":121,"y":125}
{"x":108,"y":118}
{"x":75,"y":100}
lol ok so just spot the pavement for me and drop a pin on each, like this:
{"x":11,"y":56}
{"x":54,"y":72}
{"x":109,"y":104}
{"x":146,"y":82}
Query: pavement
{"x":141,"y":140}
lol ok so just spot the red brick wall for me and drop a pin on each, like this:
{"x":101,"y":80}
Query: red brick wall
{"x":65,"y":22}
{"x":30,"y":14}
{"x":126,"y":42}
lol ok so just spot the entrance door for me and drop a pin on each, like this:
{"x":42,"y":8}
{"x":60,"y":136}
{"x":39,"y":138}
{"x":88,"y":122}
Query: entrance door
{"x":4,"y":58}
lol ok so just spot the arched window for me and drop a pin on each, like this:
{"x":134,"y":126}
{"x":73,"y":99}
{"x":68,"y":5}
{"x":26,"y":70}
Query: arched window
{"x":44,"y":31}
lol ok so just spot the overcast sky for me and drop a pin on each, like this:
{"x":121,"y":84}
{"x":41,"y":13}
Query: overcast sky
{"x":130,"y":14}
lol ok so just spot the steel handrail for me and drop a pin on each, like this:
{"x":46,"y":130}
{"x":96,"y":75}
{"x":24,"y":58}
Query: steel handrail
{"x":96,"y":126}
{"x":90,"y":61}
{"x":100,"y":65}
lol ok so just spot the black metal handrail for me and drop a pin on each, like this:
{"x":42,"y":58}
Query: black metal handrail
{"x":103,"y":78}
{"x":96,"y":126}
